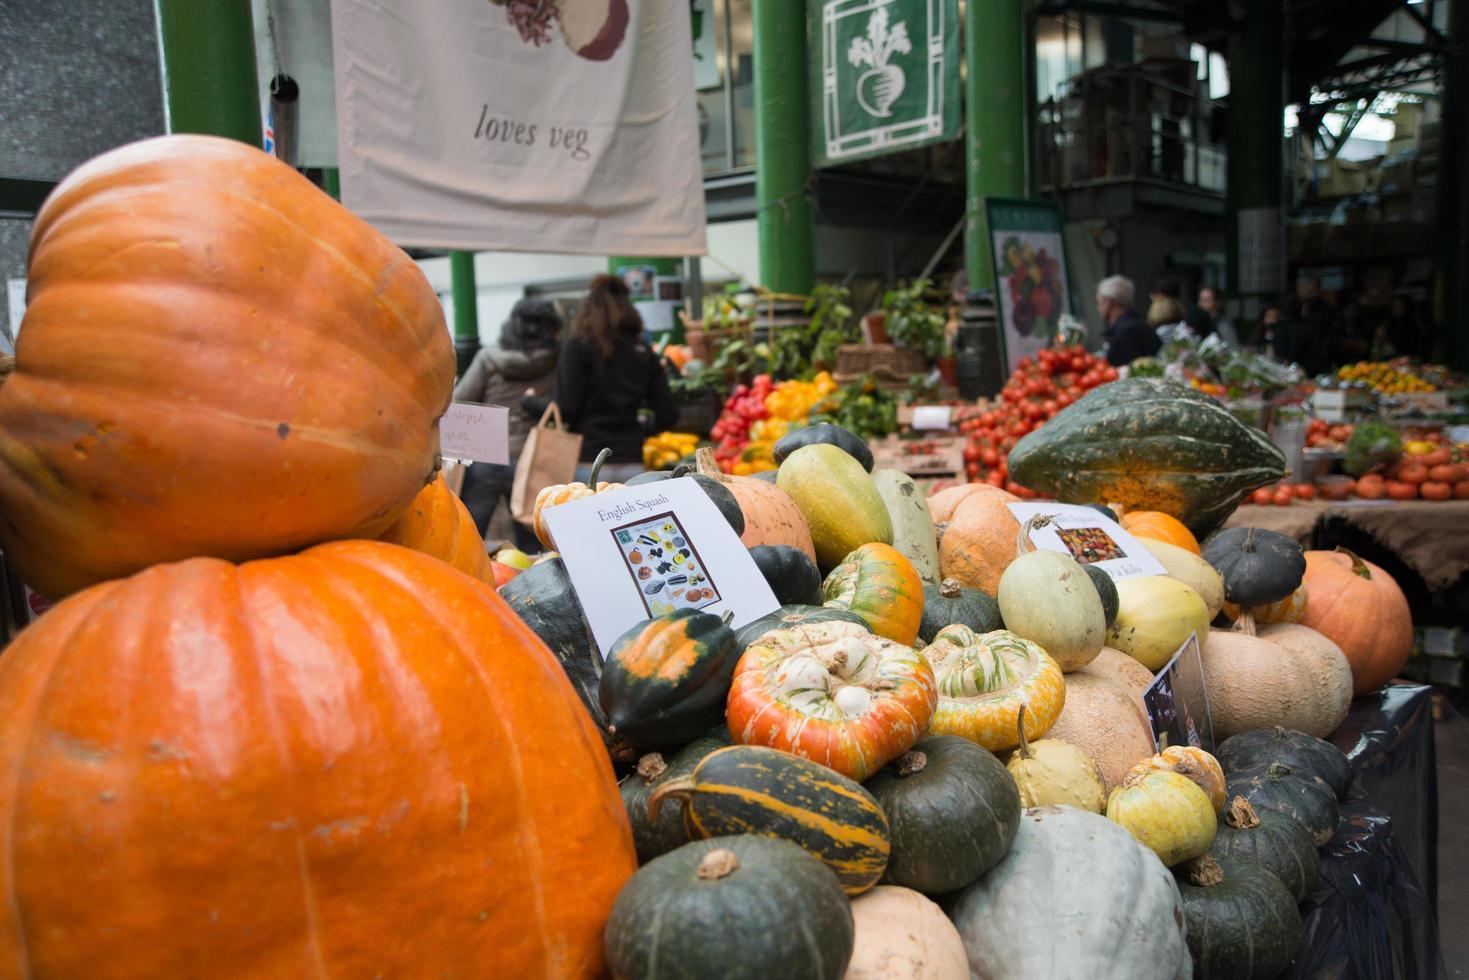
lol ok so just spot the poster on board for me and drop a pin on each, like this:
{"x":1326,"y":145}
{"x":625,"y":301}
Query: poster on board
{"x":1031,"y":285}
{"x":1177,"y":702}
{"x":566,"y":127}
{"x":1089,"y":537}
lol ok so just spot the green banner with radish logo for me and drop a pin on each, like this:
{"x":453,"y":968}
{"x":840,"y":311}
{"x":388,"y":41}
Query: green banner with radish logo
{"x":884,"y":76}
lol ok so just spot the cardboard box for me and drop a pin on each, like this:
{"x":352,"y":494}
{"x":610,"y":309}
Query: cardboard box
{"x":1340,"y":178}
{"x":1339,"y":404}
{"x":936,"y":455}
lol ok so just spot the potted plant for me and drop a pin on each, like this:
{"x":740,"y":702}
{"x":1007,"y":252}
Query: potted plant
{"x":912,"y":322}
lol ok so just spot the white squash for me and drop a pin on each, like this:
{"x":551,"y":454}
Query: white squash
{"x":1191,"y":570}
{"x":1155,"y":615}
{"x":1048,"y":599}
{"x":913,"y":531}
{"x":901,"y":935}
{"x":1104,"y":717}
{"x":1289,"y":675}
{"x":1076,"y":896}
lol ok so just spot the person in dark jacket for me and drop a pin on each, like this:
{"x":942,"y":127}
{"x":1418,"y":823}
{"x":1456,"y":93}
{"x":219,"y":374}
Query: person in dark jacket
{"x":523,"y":363}
{"x":1310,"y":329}
{"x":1128,"y":337}
{"x":607,"y":373}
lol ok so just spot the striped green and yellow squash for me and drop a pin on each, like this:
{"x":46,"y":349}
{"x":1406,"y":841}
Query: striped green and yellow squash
{"x":748,"y":789}
{"x":666,"y":679}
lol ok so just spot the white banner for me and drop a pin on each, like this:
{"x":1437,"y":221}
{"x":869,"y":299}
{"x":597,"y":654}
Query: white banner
{"x":521,"y":125}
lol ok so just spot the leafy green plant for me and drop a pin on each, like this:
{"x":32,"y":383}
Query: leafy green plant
{"x":922,"y":389}
{"x":912,"y":321}
{"x":862,"y":407}
{"x":797,"y":351}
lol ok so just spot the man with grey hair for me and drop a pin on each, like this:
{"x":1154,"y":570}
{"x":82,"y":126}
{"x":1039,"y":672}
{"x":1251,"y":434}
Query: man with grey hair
{"x":1128,"y":337}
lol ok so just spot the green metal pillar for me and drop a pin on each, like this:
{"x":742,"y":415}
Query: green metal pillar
{"x":782,"y":148}
{"x":994,"y":101}
{"x":1257,"y":259}
{"x":208,"y":56}
{"x":466,"y":308}
{"x":1453,"y":202}
{"x":331,"y":182}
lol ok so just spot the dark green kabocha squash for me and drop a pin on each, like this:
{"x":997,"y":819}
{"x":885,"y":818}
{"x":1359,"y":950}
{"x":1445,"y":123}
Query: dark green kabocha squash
{"x":1298,"y":750}
{"x":952,"y":810}
{"x":737,"y":908}
{"x":790,"y":573}
{"x":824,"y":432}
{"x":1241,"y":921}
{"x":1298,"y":794}
{"x":1258,"y":566}
{"x":788,"y":617}
{"x":950,"y":603}
{"x":1268,"y":838}
{"x":666,"y":679}
{"x":716,"y":491}
{"x":767,"y":475}
{"x":1106,"y":591}
{"x":655,"y":837}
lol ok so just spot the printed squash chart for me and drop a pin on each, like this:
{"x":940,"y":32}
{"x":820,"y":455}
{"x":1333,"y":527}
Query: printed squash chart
{"x":663,"y":561}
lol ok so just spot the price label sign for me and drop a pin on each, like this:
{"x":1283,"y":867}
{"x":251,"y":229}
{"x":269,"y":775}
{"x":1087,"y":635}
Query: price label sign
{"x":932,"y":417}
{"x":1177,"y":701}
{"x":653,"y":549}
{"x":480,"y":433}
{"x":1089,"y":536}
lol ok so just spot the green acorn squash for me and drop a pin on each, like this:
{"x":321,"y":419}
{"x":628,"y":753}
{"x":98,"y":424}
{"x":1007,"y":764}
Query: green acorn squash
{"x":652,"y":838}
{"x":949,"y":603}
{"x":738,"y":907}
{"x":838,"y":500}
{"x":1302,"y":752}
{"x":1276,"y":786}
{"x":789,"y":617}
{"x":952,"y":809}
{"x":790,"y":573}
{"x":1268,"y":838}
{"x":716,"y":491}
{"x":1152,"y":445}
{"x":823,"y":433}
{"x":748,"y":789}
{"x":666,"y":679}
{"x":1241,"y":921}
{"x":1106,"y":591}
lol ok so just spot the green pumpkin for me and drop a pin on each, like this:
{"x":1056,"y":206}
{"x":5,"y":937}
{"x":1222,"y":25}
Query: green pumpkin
{"x":716,"y":491}
{"x":950,"y":603}
{"x":790,"y":573}
{"x":739,"y":907}
{"x":1241,"y":922}
{"x":1150,"y":444}
{"x":1258,"y":566}
{"x":789,"y":617}
{"x":1106,"y":591}
{"x":838,"y":499}
{"x":655,"y":837}
{"x":1298,"y":750}
{"x":666,"y":679}
{"x":823,"y":433}
{"x":1271,"y":840}
{"x":749,"y":789}
{"x":952,"y":809}
{"x":1298,"y":794}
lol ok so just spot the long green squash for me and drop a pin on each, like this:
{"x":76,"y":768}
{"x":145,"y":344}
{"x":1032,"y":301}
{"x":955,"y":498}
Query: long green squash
{"x":1150,"y":444}
{"x":748,"y":789}
{"x":913,"y":532}
{"x":837,"y":498}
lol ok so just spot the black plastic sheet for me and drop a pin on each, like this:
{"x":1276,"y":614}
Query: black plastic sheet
{"x":1373,"y":915}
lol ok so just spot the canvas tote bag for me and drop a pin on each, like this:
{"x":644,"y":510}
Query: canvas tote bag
{"x":548,"y":458}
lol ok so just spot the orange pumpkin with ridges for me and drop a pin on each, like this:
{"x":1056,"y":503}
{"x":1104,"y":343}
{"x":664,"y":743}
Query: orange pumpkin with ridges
{"x":771,"y":516}
{"x":1158,"y":526}
{"x":1360,"y":608}
{"x":218,"y":359}
{"x":437,"y":523}
{"x":979,"y":543}
{"x":347,"y":762}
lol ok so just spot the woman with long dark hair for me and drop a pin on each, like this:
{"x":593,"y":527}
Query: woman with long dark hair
{"x":524,"y":362}
{"x":606,"y":373}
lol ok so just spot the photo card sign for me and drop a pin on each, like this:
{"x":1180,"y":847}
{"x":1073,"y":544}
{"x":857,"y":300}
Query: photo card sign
{"x":1090,"y":537}
{"x":1177,"y":702}
{"x":639,"y":552}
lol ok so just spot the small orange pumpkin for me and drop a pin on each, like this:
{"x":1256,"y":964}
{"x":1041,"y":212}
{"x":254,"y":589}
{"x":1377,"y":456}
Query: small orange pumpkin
{"x":1359,"y":607}
{"x":1194,"y":763}
{"x":881,"y":585}
{"x":1158,"y":526}
{"x":437,"y":523}
{"x":1287,"y":610}
{"x":565,"y":493}
{"x":979,"y":543}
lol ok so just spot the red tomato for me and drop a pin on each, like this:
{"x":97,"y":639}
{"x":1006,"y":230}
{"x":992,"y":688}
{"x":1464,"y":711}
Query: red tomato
{"x":1461,"y":490}
{"x":1051,"y":406}
{"x":1305,"y":491}
{"x":971,"y":453}
{"x":990,"y":458}
{"x":972,"y":469}
{"x":1398,"y":490}
{"x":1020,"y":428}
{"x":1262,"y":496}
{"x":994,"y":479}
{"x":1283,"y":497}
{"x":1109,"y":374}
{"x":1414,"y":473}
{"x":1434,"y":490}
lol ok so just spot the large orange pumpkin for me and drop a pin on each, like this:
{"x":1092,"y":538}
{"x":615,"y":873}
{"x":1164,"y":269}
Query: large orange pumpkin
{"x":771,"y":516}
{"x":979,"y":543}
{"x":1158,"y":526}
{"x":1359,"y":607}
{"x":218,"y":359}
{"x":348,"y":762}
{"x":437,"y":523}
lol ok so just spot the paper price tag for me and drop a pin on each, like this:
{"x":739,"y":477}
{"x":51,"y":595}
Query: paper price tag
{"x":475,"y":432}
{"x":1091,"y":537}
{"x":932,"y":417}
{"x":649,"y":550}
{"x":1177,"y":701}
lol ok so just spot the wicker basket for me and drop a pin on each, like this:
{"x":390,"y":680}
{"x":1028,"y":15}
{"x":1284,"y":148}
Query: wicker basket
{"x":858,"y":359}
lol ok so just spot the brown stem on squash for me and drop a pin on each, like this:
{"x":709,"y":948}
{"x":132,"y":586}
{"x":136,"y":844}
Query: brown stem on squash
{"x":718,"y":864}
{"x":1246,"y":622}
{"x":1359,"y":567}
{"x":912,"y":763}
{"x":1240,"y":815}
{"x":705,"y":464}
{"x":950,"y":588}
{"x":1023,"y":544}
{"x":651,"y":766}
{"x":1024,"y":750}
{"x":680,"y":789}
{"x":1205,"y":872}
